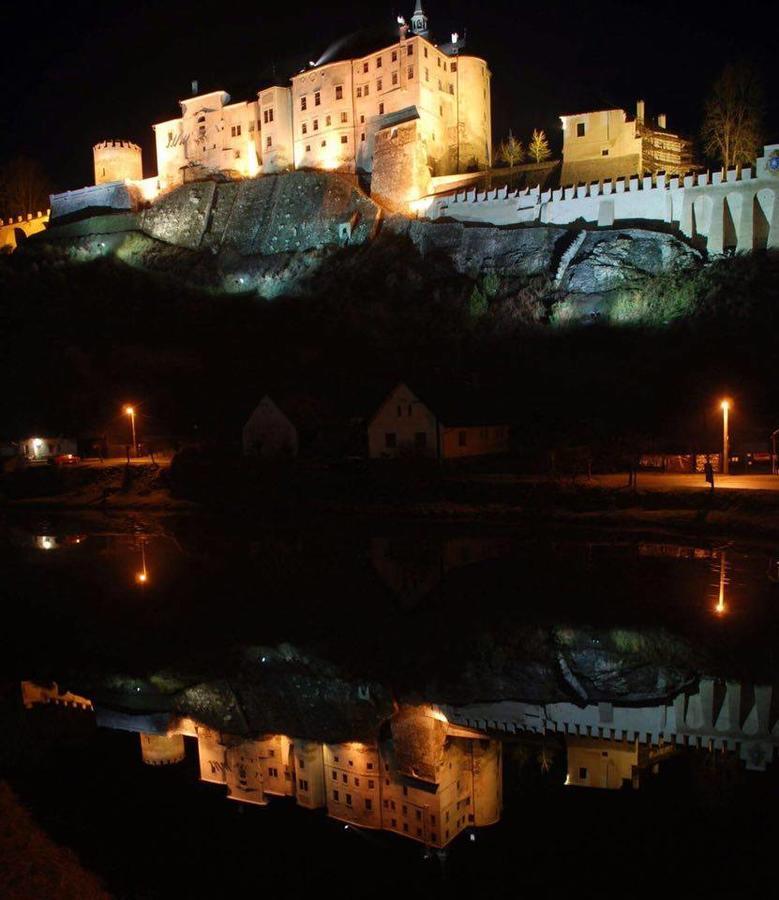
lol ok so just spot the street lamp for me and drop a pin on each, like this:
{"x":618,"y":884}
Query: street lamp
{"x":130,"y":411}
{"x":725,"y":407}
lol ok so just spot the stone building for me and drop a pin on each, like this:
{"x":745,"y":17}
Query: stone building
{"x":607,"y":144}
{"x":333,"y":113}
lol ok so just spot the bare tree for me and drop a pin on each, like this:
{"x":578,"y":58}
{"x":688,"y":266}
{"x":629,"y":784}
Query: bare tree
{"x":538,"y":148}
{"x":24,"y":187}
{"x":732,"y":124}
{"x":511,"y":150}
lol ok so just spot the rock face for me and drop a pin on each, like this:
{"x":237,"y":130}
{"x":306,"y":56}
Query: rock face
{"x":273,"y":235}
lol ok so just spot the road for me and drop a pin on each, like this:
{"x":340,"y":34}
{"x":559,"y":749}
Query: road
{"x":651,"y":481}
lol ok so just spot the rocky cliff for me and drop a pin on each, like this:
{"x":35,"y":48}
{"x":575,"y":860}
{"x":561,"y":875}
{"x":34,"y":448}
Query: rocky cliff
{"x":274,"y":235}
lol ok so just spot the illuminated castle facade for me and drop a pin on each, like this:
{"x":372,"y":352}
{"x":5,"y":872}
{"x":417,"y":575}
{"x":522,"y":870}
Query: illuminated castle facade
{"x":431,"y":99}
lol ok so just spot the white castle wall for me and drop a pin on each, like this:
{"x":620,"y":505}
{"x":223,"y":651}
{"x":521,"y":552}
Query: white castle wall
{"x":731,"y":210}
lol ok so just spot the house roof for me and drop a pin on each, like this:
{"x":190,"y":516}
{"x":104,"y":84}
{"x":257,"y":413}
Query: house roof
{"x":455,"y":403}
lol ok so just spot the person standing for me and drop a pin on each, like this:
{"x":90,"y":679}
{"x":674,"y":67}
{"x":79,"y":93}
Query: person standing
{"x":708,"y":472}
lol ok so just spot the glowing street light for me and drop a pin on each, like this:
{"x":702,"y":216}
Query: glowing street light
{"x":725,"y":407}
{"x":142,"y":577}
{"x":130,"y":411}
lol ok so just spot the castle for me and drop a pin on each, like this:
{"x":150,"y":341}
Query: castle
{"x":427,"y":103}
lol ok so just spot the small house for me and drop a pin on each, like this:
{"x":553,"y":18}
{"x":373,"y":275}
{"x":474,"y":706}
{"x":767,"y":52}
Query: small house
{"x":42,"y":449}
{"x":269,"y":433}
{"x":451,"y":423}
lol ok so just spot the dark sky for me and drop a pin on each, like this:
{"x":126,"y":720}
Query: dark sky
{"x":75,"y":73}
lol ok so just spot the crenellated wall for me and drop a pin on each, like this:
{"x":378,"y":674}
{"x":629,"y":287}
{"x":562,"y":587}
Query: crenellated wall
{"x":29,"y":224}
{"x":736,"y":210}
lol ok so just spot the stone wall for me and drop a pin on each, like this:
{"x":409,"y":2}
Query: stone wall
{"x":400,"y":170}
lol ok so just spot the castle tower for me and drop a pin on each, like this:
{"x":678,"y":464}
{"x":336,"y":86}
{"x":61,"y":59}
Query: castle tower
{"x":162,"y":749}
{"x":419,"y":21}
{"x":117,"y":161}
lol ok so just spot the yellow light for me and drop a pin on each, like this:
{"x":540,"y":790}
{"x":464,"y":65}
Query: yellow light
{"x":725,"y":405}
{"x":129,"y":410}
{"x":141,"y":577}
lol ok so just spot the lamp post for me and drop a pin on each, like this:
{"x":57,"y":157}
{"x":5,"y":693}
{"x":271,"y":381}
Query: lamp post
{"x":725,"y":406}
{"x":130,"y":411}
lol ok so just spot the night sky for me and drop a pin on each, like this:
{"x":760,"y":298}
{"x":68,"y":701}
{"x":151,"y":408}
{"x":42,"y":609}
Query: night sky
{"x":76,"y":73}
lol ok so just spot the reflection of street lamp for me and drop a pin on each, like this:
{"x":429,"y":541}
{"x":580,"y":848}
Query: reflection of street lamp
{"x":130,"y":411}
{"x":720,"y":607}
{"x":143,"y":576}
{"x":725,"y":406}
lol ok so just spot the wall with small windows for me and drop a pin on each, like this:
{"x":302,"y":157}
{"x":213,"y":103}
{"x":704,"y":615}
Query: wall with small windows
{"x":323,"y":118}
{"x":275,"y":107}
{"x":599,"y":145}
{"x":402,"y":426}
{"x":352,"y":776}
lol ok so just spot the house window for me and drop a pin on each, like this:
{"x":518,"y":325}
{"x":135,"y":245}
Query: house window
{"x":381,"y":109}
{"x":359,"y":91}
{"x":303,"y":103}
{"x":605,"y":152}
{"x":378,"y":62}
{"x":438,"y":60}
{"x":378,"y":84}
{"x":317,"y":98}
{"x":344,"y":117}
{"x":394,"y":77}
{"x":323,"y":144}
{"x":365,"y":67}
{"x":368,"y":803}
{"x":453,"y":67}
{"x":316,"y":124}
{"x":270,"y":115}
{"x":308,"y":148}
{"x":410,"y":51}
{"x":366,"y":90}
{"x":369,"y":766}
{"x":344,"y":139}
{"x":339,"y":92}
{"x":327,"y":121}
{"x":581,"y":127}
{"x":410,"y":72}
{"x":304,"y":128}
{"x":268,"y":141}
{"x":394,"y":55}
{"x":462,"y":438}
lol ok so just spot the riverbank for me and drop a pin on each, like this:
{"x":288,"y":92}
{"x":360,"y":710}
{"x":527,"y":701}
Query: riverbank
{"x":286,"y":493}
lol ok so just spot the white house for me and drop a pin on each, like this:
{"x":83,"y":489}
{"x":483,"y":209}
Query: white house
{"x":268,"y":433}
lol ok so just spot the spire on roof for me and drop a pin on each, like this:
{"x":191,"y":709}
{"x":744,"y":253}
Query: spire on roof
{"x":419,"y":20}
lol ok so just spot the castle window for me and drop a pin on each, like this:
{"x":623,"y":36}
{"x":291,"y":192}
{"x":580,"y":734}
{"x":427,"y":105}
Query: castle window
{"x":237,"y":130}
{"x":303,"y":103}
{"x":335,"y":796}
{"x":344,"y":139}
{"x":362,"y":136}
{"x":394,"y":55}
{"x":381,"y":109}
{"x":267,"y":116}
{"x":444,"y":67}
{"x":453,"y":67}
{"x":366,"y":90}
{"x":304,"y":128}
{"x":365,"y":67}
{"x":441,"y":111}
{"x":378,"y":84}
{"x":427,"y":74}
{"x":605,"y":152}
{"x":410,"y":72}
{"x":251,"y":125}
{"x":348,"y":799}
{"x":368,"y":804}
{"x":440,"y":86}
{"x":268,"y":141}
{"x":359,"y":92}
{"x":328,"y":121}
{"x":438,"y":60}
{"x":451,"y":89}
{"x":410,"y":50}
{"x":316,"y":124}
{"x":394,"y":77}
{"x":201,"y":119}
{"x":237,"y":154}
{"x":580,"y":129}
{"x":378,"y":62}
{"x":344,"y":117}
{"x":339,"y":92}
{"x":362,"y":119}
{"x":308,"y":148}
{"x":317,"y":98}
{"x":356,"y":782}
{"x":425,"y":52}
{"x":324,"y":143}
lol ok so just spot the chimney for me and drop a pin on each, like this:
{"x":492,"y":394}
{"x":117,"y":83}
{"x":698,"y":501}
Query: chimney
{"x":194,"y":88}
{"x":640,"y":112}
{"x":661,"y":121}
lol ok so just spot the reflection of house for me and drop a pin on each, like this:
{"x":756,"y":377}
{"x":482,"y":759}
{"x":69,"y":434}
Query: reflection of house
{"x":454,"y":423}
{"x":602,"y":764}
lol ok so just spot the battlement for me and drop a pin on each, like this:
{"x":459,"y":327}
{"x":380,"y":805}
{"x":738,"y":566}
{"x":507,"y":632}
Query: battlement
{"x":117,"y":144}
{"x":29,"y":217}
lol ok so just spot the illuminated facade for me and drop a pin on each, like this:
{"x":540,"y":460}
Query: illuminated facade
{"x":331,"y":115}
{"x":117,"y":161}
